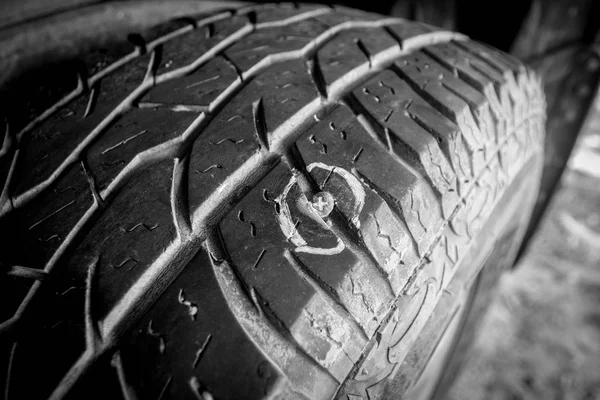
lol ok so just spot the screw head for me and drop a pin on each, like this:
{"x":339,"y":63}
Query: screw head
{"x":322,"y":203}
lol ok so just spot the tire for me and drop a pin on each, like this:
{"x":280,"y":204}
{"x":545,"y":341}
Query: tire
{"x":268,"y":202}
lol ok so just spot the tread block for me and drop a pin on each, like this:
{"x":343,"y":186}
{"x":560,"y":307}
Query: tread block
{"x":222,"y":147}
{"x":342,"y":13}
{"x":277,"y":12}
{"x":45,"y":223}
{"x":406,"y":32}
{"x":371,"y":42}
{"x":190,"y":46}
{"x":259,"y":45}
{"x":60,"y":134}
{"x":128,"y":236}
{"x":138,"y":130}
{"x":197,"y":89}
{"x":293,"y":90}
{"x":339,"y":56}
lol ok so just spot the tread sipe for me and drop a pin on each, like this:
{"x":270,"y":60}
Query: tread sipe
{"x":231,"y":206}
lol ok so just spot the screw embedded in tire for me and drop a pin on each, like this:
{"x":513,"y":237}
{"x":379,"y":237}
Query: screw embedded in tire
{"x":322,"y":203}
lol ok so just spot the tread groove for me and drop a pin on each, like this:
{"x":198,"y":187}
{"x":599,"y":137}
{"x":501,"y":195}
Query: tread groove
{"x":444,"y":150}
{"x":378,"y":132}
{"x":7,"y":204}
{"x":92,"y":184}
{"x":179,"y":197}
{"x":93,"y":99}
{"x":233,"y":66}
{"x":153,"y":64}
{"x":394,"y":36}
{"x":489,"y":92}
{"x":421,"y":92}
{"x":359,"y":43}
{"x":460,"y":118}
{"x":8,"y":141}
{"x":316,"y":74}
{"x":260,"y":125}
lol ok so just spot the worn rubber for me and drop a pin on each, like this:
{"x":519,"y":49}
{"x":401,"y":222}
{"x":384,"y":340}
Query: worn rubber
{"x":235,"y":208}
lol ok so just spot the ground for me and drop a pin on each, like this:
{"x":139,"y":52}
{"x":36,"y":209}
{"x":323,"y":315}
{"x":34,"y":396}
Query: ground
{"x":541,"y":337}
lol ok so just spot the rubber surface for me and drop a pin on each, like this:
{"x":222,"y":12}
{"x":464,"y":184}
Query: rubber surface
{"x":236,"y":208}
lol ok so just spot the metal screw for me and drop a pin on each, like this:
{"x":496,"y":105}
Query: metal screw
{"x":322,"y":203}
